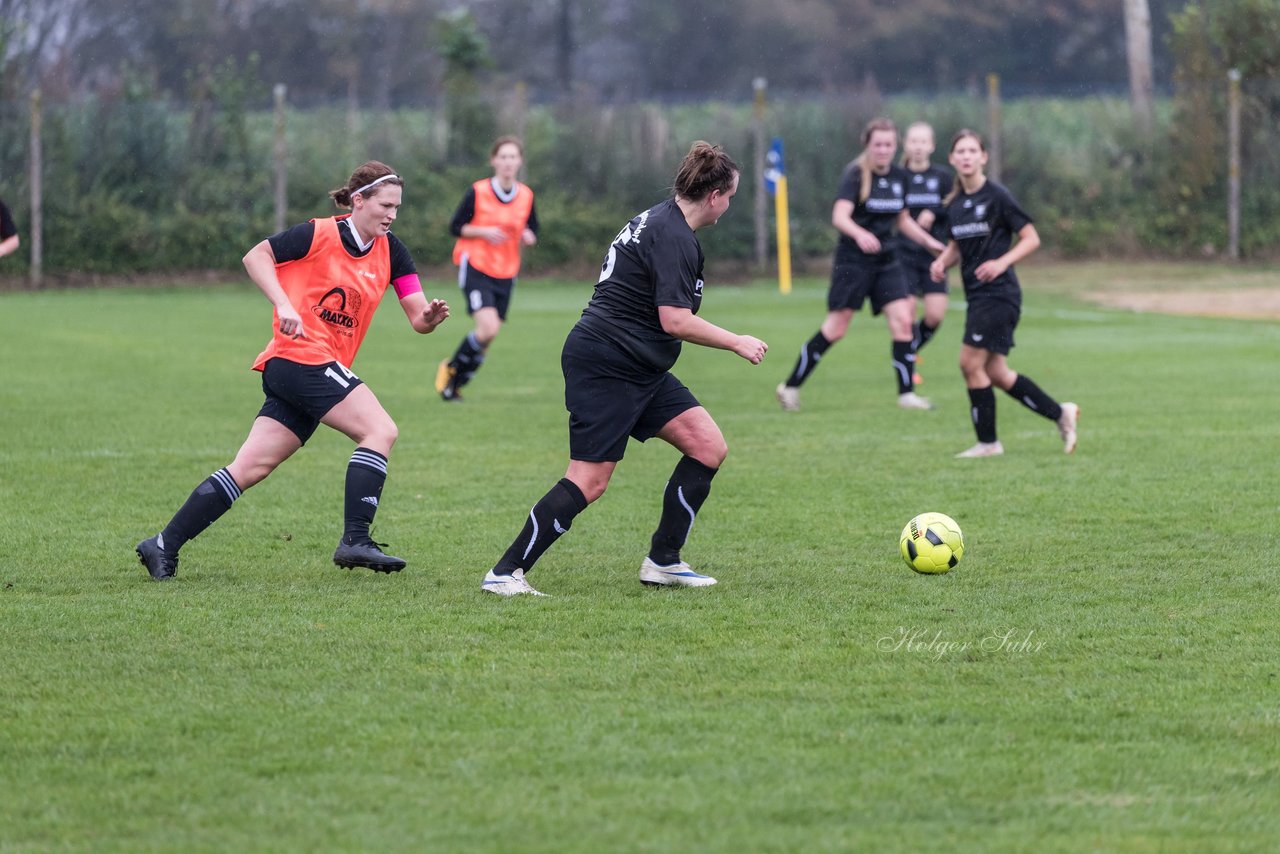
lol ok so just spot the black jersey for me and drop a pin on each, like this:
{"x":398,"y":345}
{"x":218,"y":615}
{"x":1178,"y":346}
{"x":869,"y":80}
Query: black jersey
{"x":879,"y":213}
{"x":925,"y":192}
{"x":294,"y":243}
{"x":983,"y":224}
{"x":655,"y":260}
{"x":7,"y":226}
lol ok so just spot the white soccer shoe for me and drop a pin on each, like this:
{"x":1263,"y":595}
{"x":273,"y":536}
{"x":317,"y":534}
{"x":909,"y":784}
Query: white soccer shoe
{"x":982,"y":449}
{"x":508,"y":585}
{"x":677,"y":575}
{"x":911,"y":400}
{"x":1067,"y":426}
{"x":789,"y":397}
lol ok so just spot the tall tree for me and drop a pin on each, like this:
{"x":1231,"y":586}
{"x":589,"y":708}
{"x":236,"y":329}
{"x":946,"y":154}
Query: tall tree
{"x":1137,"y":28}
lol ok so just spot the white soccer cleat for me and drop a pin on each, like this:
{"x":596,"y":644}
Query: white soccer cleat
{"x":677,"y":575}
{"x":509,"y":585}
{"x":1067,"y":422}
{"x":789,"y":397}
{"x":911,"y":400}
{"x":982,"y":449}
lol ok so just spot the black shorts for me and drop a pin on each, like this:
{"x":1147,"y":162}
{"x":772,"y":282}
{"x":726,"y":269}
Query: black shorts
{"x":915,"y":269}
{"x":298,"y":396}
{"x":853,"y":282}
{"x":989,"y":325}
{"x":483,"y":290}
{"x":608,"y":400}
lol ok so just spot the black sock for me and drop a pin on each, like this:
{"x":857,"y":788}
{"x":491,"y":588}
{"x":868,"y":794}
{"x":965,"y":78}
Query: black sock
{"x":213,"y":497}
{"x":689,"y":486}
{"x":810,"y":355}
{"x":467,"y":359}
{"x":921,"y":334}
{"x":1033,"y":397}
{"x":982,"y":409}
{"x":366,"y":474}
{"x":549,"y":518}
{"x":904,"y":365}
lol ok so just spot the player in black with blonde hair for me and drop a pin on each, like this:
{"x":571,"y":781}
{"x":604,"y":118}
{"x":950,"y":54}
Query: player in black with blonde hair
{"x":617,"y":380}
{"x":871,"y":201}
{"x":927,"y":186}
{"x":982,"y":218}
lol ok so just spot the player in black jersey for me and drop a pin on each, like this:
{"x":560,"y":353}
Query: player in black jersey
{"x":617,"y":384}
{"x":982,"y":218}
{"x":8,"y":232}
{"x":928,"y":185}
{"x":870,"y":203}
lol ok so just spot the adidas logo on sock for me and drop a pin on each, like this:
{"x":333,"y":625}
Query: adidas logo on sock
{"x":555,"y":523}
{"x":370,"y":499}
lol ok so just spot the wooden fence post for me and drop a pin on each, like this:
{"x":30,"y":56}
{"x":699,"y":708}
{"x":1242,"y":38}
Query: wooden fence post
{"x":36,"y":272}
{"x":1233,"y":164}
{"x":762,"y":235}
{"x":282,"y":160}
{"x":993,"y":126}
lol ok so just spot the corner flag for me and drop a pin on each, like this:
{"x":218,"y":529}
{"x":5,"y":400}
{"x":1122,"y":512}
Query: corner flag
{"x":775,"y":181}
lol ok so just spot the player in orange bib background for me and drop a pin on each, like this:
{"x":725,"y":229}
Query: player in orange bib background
{"x":325,"y":278}
{"x":494,"y":221}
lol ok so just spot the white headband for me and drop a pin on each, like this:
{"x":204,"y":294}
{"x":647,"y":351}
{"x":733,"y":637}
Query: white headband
{"x":373,"y":184}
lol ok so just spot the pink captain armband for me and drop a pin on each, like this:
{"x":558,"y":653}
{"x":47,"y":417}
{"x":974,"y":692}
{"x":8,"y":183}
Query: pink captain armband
{"x":406,"y":285}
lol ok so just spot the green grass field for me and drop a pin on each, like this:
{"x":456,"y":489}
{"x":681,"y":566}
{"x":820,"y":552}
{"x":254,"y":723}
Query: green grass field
{"x":1099,"y":673}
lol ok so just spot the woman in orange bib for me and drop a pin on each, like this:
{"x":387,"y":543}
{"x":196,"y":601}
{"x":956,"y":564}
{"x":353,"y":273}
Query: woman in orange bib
{"x":494,"y":221}
{"x":325,"y":278}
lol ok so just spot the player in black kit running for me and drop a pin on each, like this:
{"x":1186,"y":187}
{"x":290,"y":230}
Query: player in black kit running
{"x":617,"y":384}
{"x":982,"y":218}
{"x":928,"y":185}
{"x":870,"y":203}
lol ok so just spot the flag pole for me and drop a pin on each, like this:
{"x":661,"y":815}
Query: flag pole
{"x":784,"y":235}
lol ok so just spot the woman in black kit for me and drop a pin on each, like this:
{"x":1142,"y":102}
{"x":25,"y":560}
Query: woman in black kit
{"x":616,"y":364}
{"x":8,"y":232}
{"x":982,"y":218}
{"x":927,"y":186}
{"x":870,"y":203}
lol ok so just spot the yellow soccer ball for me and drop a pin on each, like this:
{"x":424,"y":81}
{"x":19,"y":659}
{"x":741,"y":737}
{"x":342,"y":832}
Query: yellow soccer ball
{"x":932,"y":543}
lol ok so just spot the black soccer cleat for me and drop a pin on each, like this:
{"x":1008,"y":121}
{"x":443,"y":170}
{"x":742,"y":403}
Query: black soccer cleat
{"x":160,"y":565}
{"x":367,"y":555}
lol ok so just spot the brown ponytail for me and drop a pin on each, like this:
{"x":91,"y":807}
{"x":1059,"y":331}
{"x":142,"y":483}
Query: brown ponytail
{"x":705,"y":168}
{"x":864,"y":188}
{"x":363,"y":177}
{"x":963,"y":133}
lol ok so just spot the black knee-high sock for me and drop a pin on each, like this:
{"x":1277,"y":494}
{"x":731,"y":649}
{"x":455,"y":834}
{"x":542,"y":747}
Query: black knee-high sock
{"x":467,"y":359}
{"x":1033,"y":397}
{"x":366,"y":475}
{"x":810,"y":355}
{"x":982,"y":409}
{"x":689,"y":486}
{"x":213,"y":497}
{"x":904,"y":365}
{"x":549,"y":518}
{"x":921,"y":334}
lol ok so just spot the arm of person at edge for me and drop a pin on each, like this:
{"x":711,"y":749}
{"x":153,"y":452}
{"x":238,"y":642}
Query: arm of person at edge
{"x":260,"y":264}
{"x":687,"y":326}
{"x":912,"y":229}
{"x":1028,"y":242}
{"x":949,"y":256}
{"x":424,"y":315}
{"x":529,"y":237}
{"x":9,"y":245}
{"x":842,"y":219}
